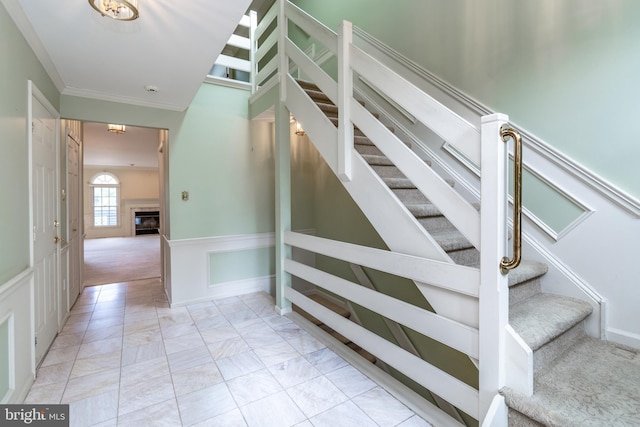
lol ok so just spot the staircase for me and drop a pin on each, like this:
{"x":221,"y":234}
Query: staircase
{"x":551,"y":325}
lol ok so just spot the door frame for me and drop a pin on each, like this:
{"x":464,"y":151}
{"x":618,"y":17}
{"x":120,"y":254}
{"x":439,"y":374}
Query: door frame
{"x":79,"y":258}
{"x":35,"y":93}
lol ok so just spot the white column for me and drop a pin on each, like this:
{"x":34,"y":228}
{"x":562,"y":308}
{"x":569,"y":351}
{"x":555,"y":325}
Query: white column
{"x":494,"y":297}
{"x":283,"y":203}
{"x":345,"y":93}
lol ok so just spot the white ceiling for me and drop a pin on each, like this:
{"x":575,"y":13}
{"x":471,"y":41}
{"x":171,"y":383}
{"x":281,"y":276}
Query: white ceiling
{"x":172,"y":46}
{"x":137,"y":147}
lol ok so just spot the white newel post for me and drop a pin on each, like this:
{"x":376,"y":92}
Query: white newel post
{"x":345,"y":93}
{"x":494,"y":298}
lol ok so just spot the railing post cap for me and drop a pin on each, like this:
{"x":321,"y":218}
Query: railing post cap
{"x":496,"y":117}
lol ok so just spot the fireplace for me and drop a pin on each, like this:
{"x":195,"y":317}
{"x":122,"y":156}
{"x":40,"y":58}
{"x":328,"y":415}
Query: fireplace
{"x":146,"y":222}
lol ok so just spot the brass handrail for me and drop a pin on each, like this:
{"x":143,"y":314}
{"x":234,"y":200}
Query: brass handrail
{"x":507,"y":264}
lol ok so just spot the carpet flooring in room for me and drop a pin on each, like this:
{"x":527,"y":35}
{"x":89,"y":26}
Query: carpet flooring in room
{"x":121,"y":259}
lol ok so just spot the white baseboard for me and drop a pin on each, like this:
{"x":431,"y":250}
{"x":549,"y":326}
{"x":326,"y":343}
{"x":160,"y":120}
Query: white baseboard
{"x":190,"y":273}
{"x":623,"y":337}
{"x":233,"y":289}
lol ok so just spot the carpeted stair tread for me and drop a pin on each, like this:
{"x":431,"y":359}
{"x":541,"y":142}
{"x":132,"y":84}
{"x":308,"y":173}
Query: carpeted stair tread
{"x":376,"y":160}
{"x":527,"y":270}
{"x":395,"y":183}
{"x":328,"y":109}
{"x":405,"y":183}
{"x":594,"y":384}
{"x":450,"y":239}
{"x":318,"y":96}
{"x":423,"y":210}
{"x":362,"y":140}
{"x":356,"y":131}
{"x":543,"y":317}
{"x":308,"y":85}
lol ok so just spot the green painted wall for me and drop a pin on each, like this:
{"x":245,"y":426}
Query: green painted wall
{"x":224,"y":160}
{"x":17,"y":67}
{"x":565,"y":70}
{"x":226,"y":163}
{"x":240,"y":265}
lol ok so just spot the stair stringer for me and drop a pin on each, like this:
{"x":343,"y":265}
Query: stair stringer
{"x":404,"y":233}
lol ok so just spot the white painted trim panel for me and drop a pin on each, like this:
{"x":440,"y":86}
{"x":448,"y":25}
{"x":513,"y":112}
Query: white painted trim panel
{"x":457,"y":278}
{"x":448,"y":387}
{"x":444,"y":122}
{"x":16,"y":307}
{"x":446,"y":331}
{"x":189,"y":270}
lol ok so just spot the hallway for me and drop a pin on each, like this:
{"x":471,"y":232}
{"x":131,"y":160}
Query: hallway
{"x":125,"y":358}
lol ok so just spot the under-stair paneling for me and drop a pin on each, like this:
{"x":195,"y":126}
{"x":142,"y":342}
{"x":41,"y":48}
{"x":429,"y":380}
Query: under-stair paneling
{"x":17,"y":356}
{"x":198,"y":272}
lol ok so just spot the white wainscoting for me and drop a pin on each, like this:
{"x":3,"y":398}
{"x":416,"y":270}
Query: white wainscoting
{"x":16,"y":308}
{"x":189,"y":273}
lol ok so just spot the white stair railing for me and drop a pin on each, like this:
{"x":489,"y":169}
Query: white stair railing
{"x":229,"y":63}
{"x":471,"y":303}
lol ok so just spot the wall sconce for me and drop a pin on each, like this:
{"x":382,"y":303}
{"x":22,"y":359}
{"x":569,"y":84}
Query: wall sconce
{"x":299,"y":130}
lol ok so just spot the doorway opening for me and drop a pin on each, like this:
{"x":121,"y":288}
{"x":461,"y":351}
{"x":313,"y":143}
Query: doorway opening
{"x":122,"y":203}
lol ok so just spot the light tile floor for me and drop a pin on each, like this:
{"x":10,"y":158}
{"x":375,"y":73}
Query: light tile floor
{"x":125,"y":358}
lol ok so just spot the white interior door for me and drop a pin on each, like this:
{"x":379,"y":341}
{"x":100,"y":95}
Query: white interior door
{"x":44,"y":179}
{"x":73,"y":200}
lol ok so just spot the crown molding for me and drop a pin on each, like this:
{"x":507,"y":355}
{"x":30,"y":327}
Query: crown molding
{"x":28,"y":32}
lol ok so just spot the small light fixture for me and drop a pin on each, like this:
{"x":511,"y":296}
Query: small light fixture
{"x":121,"y":10}
{"x":116,"y":128}
{"x":299,"y":130}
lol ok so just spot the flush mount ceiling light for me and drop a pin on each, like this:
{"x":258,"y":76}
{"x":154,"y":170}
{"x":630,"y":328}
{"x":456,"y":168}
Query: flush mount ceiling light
{"x":121,"y":10}
{"x":116,"y":128}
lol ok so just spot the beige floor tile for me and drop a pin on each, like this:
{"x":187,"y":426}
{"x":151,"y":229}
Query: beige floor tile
{"x":205,"y":404}
{"x":143,"y":394}
{"x":163,"y":414}
{"x":91,"y":385}
{"x":196,"y":378}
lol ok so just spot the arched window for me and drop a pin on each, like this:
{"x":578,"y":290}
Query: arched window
{"x":105,"y":200}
